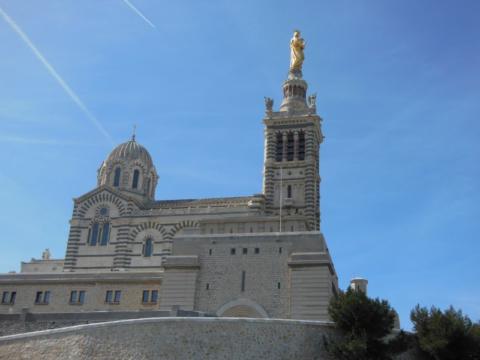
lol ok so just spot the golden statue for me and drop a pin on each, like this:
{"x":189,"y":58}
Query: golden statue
{"x":297,"y":44}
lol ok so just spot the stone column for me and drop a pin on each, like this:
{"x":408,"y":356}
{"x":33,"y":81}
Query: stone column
{"x":295,"y":145}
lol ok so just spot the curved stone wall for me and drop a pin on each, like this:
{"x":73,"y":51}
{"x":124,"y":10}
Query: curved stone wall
{"x":173,"y":338}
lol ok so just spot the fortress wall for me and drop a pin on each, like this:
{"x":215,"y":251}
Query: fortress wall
{"x":22,"y":323}
{"x":173,"y":338}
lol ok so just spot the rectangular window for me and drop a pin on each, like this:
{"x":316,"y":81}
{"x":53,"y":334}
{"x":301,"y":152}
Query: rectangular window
{"x":257,"y":250}
{"x":150,"y":296}
{"x":210,"y":252}
{"x":42,"y":298}
{"x":279,"y":250}
{"x":207,"y":287}
{"x":243,"y":280}
{"x":245,"y":251}
{"x":38,"y":297}
{"x":73,"y":296}
{"x":8,"y":298}
{"x":145,"y":296}
{"x":81,"y":296}
{"x":109,"y":296}
{"x":113,"y":297}
{"x":232,"y":251}
{"x":118,"y":295}
{"x":278,"y":285}
{"x":13,"y":296}
{"x":154,"y":297}
{"x":46,"y":297}
{"x":77,"y":297}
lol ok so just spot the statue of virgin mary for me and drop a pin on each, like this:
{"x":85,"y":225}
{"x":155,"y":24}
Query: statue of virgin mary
{"x":297,"y":44}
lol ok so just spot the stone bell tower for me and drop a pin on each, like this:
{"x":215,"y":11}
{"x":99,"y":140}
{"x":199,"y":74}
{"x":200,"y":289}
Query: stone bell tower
{"x":291,"y":179}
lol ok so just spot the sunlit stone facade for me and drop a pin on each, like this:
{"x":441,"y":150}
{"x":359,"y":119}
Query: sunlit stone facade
{"x":261,"y":255}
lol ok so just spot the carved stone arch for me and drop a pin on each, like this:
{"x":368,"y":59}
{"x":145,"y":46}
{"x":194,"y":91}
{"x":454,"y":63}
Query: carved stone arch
{"x":179,"y":226}
{"x":149,"y":225}
{"x":109,"y":173}
{"x":132,"y":166}
{"x":242,"y":308}
{"x":98,"y":199}
{"x":138,"y":164}
{"x":161,"y":245}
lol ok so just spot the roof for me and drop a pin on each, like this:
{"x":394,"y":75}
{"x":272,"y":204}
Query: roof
{"x":130,"y":150}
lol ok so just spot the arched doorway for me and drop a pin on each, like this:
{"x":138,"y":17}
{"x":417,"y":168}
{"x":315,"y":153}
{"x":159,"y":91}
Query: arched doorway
{"x":242,"y":308}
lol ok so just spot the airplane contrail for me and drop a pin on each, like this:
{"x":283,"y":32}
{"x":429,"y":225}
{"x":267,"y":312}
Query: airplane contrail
{"x":139,"y":13}
{"x":55,"y":75}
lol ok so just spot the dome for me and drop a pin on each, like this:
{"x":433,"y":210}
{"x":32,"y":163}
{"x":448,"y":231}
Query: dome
{"x":130,"y":150}
{"x":129,"y":167}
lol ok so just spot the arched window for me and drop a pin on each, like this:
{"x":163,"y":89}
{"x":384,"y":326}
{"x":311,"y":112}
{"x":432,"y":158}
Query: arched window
{"x":290,"y":147}
{"x":301,"y":146}
{"x":136,"y":175}
{"x":279,"y":147}
{"x":289,"y":191}
{"x":94,"y":235}
{"x":148,"y":247}
{"x":105,"y":234}
{"x":116,"y":179}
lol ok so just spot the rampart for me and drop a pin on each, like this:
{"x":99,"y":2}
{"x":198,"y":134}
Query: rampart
{"x":175,"y":338}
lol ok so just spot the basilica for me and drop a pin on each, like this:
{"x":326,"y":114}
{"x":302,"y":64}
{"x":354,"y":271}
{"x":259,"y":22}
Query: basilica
{"x":262,"y":255}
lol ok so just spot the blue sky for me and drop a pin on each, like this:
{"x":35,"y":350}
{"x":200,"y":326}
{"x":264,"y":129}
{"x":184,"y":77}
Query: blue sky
{"x":398,"y":89}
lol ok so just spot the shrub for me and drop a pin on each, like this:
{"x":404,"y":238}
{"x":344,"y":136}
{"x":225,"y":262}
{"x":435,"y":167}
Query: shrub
{"x":364,"y":324}
{"x":446,"y":335}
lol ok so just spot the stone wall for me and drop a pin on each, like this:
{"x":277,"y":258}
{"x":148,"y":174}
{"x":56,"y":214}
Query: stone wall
{"x":95,"y":286}
{"x":261,"y":269}
{"x":11,"y":324}
{"x":174,"y":338}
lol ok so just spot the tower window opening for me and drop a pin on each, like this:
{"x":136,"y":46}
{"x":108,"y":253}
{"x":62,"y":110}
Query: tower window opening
{"x":136,"y":175}
{"x":148,"y":248}
{"x":279,"y":147}
{"x":289,"y":191}
{"x":301,"y":146}
{"x":290,"y":147}
{"x":116,"y":179}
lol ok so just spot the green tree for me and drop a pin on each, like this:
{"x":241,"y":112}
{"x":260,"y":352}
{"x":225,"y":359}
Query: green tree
{"x":364,"y":325}
{"x":448,"y":335}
